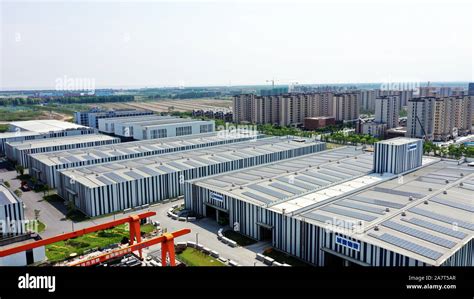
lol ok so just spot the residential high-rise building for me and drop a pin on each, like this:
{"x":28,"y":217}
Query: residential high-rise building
{"x":405,"y":96}
{"x":387,"y":111}
{"x":439,"y":118}
{"x":346,"y":106}
{"x":420,"y":118}
{"x":284,"y":110}
{"x":367,"y":99}
{"x":471,"y":89}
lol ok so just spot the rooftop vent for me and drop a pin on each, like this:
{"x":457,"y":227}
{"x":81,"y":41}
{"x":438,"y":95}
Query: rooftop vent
{"x":447,"y":182}
{"x":404,"y":214}
{"x":425,"y":202}
{"x":410,"y":198}
{"x":461,"y":184}
{"x":387,"y":210}
{"x":445,"y":192}
{"x":376,"y":228}
{"x":430,"y":189}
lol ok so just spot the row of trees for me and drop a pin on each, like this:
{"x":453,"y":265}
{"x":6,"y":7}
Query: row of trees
{"x":451,"y":151}
{"x":355,"y":139}
{"x":66,"y":100}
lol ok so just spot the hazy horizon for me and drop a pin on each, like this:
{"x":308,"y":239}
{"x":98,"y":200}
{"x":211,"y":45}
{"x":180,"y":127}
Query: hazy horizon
{"x":197,"y":43}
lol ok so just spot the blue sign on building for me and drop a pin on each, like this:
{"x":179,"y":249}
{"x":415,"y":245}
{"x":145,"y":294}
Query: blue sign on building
{"x":217,"y":197}
{"x":348,"y":243}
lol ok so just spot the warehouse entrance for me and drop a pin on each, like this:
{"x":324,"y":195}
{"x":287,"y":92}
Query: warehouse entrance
{"x":219,"y":215}
{"x":266,"y":232}
{"x":334,"y":259}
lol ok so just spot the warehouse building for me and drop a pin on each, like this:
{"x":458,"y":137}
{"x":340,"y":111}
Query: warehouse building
{"x":107,"y":125}
{"x":40,"y":129}
{"x":337,"y":212}
{"x":19,"y":151}
{"x":44,"y":166}
{"x":106,"y":188}
{"x":162,"y":128}
{"x":24,"y":258}
{"x":11,"y":213}
{"x":91,"y":118}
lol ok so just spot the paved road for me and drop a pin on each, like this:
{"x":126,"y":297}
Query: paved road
{"x":206,"y":229}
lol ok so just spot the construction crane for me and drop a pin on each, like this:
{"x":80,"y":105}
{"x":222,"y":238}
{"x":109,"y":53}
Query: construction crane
{"x":167,"y":250}
{"x":135,"y":234}
{"x":273,"y":82}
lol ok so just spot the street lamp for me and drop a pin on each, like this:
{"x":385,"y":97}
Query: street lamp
{"x":197,"y":239}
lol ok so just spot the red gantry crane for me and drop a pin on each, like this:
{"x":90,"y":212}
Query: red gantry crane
{"x":166,"y":240}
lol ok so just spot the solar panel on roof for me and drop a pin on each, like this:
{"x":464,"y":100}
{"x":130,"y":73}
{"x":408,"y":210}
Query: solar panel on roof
{"x":378,"y":202}
{"x":320,"y":176}
{"x":453,"y":204}
{"x":316,"y":182}
{"x":327,"y":219}
{"x":104,"y":180}
{"x":348,"y":213}
{"x":113,"y":176}
{"x":298,"y":183}
{"x":178,"y":165}
{"x":339,"y":175}
{"x":443,"y":218}
{"x":410,"y":246}
{"x":134,"y":175}
{"x":268,"y":191}
{"x":398,"y":192}
{"x":286,"y":188}
{"x":165,"y":169}
{"x":435,"y":227}
{"x":419,"y":234}
{"x":257,"y":197}
{"x":148,"y":171}
{"x":348,"y":204}
{"x":216,"y":183}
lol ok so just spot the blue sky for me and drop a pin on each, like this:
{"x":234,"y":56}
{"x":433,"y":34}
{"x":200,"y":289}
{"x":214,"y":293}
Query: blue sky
{"x":159,"y":43}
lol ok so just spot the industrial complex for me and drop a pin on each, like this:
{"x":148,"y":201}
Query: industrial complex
{"x":19,"y":151}
{"x":39,"y":129}
{"x":349,"y":207}
{"x":44,"y":166}
{"x":110,"y":187}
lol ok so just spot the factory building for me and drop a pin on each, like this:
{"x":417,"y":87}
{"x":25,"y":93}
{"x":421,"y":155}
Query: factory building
{"x":107,"y":125}
{"x":44,"y":166}
{"x":398,"y":155}
{"x":24,"y":258}
{"x":91,"y":118}
{"x":111,"y":187}
{"x":162,"y":128}
{"x":331,"y":209}
{"x":19,"y":151}
{"x":11,"y":213}
{"x":40,"y":129}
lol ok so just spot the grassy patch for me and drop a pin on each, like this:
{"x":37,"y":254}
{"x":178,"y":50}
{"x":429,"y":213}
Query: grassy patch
{"x":282,"y":257}
{"x":239,"y":238}
{"x":61,"y":250}
{"x":3,"y":128}
{"x":18,"y":113}
{"x":41,"y":226}
{"x":193,"y":257}
{"x":147,"y":228}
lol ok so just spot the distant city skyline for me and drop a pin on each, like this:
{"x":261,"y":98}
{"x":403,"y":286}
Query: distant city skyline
{"x":198,"y":43}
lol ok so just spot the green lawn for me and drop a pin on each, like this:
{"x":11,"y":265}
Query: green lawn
{"x":18,"y":113}
{"x":193,"y":257}
{"x":147,"y":228}
{"x":41,"y":227}
{"x":3,"y":128}
{"x":282,"y":257}
{"x":239,"y":238}
{"x":61,"y":250}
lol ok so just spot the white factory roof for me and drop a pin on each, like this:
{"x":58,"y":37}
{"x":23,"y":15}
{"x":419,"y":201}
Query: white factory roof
{"x":74,"y":139}
{"x":160,"y":122}
{"x":308,"y":179}
{"x":18,"y":134}
{"x":44,"y":126}
{"x":347,"y":197}
{"x":399,"y":140}
{"x":126,"y":148}
{"x":427,"y":215}
{"x":128,"y":170}
{"x":6,"y":196}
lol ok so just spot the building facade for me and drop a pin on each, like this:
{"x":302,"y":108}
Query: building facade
{"x":387,"y":111}
{"x":134,"y":183}
{"x":44,"y":166}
